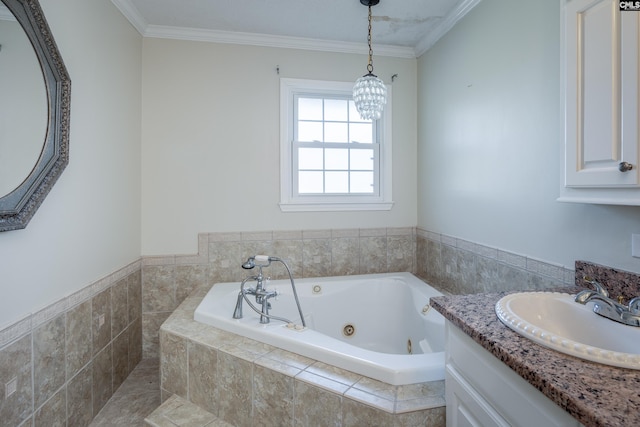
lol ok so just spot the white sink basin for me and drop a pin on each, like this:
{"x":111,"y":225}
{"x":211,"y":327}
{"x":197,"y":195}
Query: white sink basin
{"x":554,"y":320}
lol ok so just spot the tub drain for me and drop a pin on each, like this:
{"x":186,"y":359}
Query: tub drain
{"x":409,"y":347}
{"x":348,"y":330}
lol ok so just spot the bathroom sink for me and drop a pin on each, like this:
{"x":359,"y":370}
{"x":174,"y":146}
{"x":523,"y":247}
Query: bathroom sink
{"x":554,"y":320}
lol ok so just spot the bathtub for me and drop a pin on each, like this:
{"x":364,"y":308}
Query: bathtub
{"x":379,"y":325}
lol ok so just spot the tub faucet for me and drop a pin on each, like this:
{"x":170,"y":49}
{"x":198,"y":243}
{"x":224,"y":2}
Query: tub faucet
{"x":609,"y":308}
{"x":262,"y":295}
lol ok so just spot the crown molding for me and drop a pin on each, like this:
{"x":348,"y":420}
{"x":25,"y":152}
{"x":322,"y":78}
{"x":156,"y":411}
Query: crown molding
{"x":444,"y":26}
{"x":267,"y":40}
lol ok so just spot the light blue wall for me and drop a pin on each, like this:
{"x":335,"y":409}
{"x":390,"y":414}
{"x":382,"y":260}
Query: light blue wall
{"x":490,"y":142}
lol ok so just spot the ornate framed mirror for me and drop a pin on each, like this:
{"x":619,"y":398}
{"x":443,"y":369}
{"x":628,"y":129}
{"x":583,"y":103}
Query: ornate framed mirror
{"x":50,"y":148}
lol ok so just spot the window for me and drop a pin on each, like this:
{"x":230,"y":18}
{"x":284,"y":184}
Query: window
{"x":331,"y":159}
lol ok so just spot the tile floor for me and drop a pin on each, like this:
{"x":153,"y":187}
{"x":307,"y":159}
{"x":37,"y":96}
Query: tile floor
{"x":136,"y":398}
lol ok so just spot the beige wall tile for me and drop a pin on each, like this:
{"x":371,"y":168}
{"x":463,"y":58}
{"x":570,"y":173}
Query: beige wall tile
{"x":158,"y":288}
{"x":173,"y":364}
{"x":16,"y":362}
{"x":235,"y":390}
{"x":135,"y":343}
{"x":272,"y":397}
{"x":119,"y":307}
{"x":203,"y":376}
{"x":315,"y":407}
{"x":79,"y":398}
{"x":150,"y":333}
{"x":120,"y":359}
{"x":134,"y":296}
{"x":316,"y":257}
{"x":101,"y":320}
{"x":54,"y":412}
{"x":102,"y":379}
{"x":373,"y":255}
{"x":225,"y":258}
{"x":49,"y":372}
{"x":78,"y":338}
{"x":188,"y":277}
{"x":355,"y":414}
{"x":344,"y":256}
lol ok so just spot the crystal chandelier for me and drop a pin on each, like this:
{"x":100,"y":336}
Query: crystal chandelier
{"x":369,"y":92}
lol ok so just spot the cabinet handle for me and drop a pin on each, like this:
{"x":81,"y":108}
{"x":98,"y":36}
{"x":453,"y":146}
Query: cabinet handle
{"x":624,"y":166}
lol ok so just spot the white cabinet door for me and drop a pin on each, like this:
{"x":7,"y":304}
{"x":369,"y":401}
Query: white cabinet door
{"x":465,"y":406}
{"x":481,"y":391}
{"x":601,"y":95}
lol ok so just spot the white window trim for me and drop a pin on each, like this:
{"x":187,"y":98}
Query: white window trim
{"x":289,"y":203}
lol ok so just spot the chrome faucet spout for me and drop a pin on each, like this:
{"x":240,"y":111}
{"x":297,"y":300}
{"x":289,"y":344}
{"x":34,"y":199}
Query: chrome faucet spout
{"x":599,"y":288}
{"x":609,"y":308}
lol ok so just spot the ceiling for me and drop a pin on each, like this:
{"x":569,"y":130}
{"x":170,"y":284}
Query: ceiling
{"x":403,"y":28}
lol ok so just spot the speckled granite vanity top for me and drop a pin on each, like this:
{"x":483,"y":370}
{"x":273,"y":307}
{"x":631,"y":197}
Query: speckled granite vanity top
{"x":594,"y":394}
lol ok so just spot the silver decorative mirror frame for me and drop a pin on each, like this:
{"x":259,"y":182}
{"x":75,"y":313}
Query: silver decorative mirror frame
{"x":18,"y":207}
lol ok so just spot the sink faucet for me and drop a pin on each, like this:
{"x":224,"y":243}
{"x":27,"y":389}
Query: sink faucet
{"x":609,"y":308}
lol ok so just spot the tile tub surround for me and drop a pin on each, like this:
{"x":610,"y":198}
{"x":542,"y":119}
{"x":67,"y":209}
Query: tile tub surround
{"x":596,"y":395}
{"x":71,"y":356}
{"x":167,"y":280}
{"x":244,"y":382}
{"x":449,"y":264}
{"x":458,"y":266}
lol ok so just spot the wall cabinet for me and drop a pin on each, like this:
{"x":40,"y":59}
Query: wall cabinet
{"x":483,"y":392}
{"x":600,"y":79}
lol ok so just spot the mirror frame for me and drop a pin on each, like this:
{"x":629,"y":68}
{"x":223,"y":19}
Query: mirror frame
{"x":18,"y":207}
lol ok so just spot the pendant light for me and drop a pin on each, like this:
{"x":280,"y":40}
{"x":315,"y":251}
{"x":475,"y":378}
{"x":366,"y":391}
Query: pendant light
{"x":369,"y":92}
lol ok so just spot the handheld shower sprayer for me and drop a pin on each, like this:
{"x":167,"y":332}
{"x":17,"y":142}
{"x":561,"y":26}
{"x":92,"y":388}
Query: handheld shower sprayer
{"x":261,"y":260}
{"x":250,"y":263}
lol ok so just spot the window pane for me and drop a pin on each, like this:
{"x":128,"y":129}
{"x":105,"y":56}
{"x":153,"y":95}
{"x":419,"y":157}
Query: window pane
{"x":309,"y":109}
{"x":354,"y":116}
{"x":361,"y":132}
{"x":362,"y":182}
{"x":362,"y":160}
{"x":310,"y":158}
{"x":309,"y":131}
{"x":336,"y":132}
{"x":336,"y":110}
{"x":337,"y":182}
{"x":336,"y":158}
{"x":310,"y":182}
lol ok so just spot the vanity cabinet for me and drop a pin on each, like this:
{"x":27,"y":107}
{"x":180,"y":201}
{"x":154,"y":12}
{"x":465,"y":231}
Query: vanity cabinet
{"x":483,"y":392}
{"x":600,"y":87}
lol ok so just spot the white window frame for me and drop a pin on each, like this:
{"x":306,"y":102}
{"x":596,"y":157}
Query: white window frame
{"x":290,"y":201}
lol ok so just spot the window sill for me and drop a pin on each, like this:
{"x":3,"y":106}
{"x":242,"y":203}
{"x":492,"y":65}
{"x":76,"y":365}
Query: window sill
{"x":329,"y":207}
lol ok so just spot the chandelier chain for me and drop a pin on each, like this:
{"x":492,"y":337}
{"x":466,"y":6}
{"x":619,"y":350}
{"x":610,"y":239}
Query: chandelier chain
{"x":370,"y":64}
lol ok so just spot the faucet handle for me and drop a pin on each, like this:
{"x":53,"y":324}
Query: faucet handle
{"x":634,"y":305}
{"x":599,"y":288}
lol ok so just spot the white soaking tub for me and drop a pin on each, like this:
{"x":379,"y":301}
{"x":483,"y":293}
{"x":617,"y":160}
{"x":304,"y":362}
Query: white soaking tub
{"x":379,"y":325}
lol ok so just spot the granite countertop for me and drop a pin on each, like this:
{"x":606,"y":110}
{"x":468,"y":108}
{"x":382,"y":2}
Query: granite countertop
{"x":594,"y":394}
